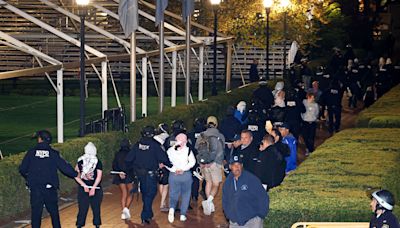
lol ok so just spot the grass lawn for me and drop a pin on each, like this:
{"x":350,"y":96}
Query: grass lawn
{"x":20,"y":116}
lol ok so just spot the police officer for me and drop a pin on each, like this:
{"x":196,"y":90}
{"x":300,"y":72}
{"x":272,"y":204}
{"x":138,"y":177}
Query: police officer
{"x":39,"y":168}
{"x":382,"y":205}
{"x":144,"y":159}
{"x":332,"y":99}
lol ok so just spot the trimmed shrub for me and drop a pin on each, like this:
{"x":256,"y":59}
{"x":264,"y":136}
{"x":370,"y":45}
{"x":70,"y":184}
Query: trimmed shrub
{"x":331,"y":185}
{"x":384,"y":113}
{"x":14,"y":199}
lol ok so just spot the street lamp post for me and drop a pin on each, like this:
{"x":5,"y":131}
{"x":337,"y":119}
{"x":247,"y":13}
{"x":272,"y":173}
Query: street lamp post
{"x":215,"y":4}
{"x":82,"y":13}
{"x":285,"y":4}
{"x":267,"y":5}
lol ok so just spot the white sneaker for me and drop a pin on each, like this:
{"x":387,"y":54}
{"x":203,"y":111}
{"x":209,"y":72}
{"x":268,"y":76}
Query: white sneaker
{"x":212,"y":207}
{"x":182,"y":218}
{"x":206,"y":207}
{"x":127,"y":213}
{"x":123,"y":216}
{"x":171,"y":215}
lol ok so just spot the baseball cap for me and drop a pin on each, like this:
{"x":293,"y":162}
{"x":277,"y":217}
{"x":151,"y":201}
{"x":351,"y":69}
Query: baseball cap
{"x":212,"y":120}
{"x":234,"y":159}
{"x":44,"y":135}
{"x":284,"y":125}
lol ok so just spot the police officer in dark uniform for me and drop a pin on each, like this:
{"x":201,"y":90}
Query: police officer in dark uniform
{"x":332,"y":99}
{"x":294,"y":108}
{"x":39,"y":168}
{"x":382,"y":205}
{"x":144,"y":159}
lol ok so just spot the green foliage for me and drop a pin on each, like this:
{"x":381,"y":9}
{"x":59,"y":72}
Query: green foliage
{"x":384,"y":113}
{"x":331,"y":185}
{"x":13,"y":197}
{"x":246,"y":21}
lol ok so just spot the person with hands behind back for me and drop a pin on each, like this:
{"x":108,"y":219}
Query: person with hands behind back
{"x":90,"y":192}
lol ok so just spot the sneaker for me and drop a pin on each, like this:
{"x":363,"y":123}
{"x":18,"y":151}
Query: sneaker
{"x":206,"y":207}
{"x":182,"y":218}
{"x":164,"y":209}
{"x":127,"y":213}
{"x":212,"y":207}
{"x":123,"y":216}
{"x":171,"y":216}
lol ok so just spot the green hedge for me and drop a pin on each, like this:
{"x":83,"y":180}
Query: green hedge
{"x":384,"y":113}
{"x":14,"y":199}
{"x":331,"y":185}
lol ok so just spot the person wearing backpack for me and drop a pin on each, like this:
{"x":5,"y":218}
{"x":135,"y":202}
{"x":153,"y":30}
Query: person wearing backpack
{"x":210,"y":147}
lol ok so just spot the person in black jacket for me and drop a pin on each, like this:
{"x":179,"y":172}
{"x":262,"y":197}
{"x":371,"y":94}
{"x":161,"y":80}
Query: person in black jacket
{"x":39,"y":168}
{"x":124,"y":179}
{"x":266,"y":168}
{"x":248,"y":150}
{"x":145,"y":157}
{"x":332,"y":97}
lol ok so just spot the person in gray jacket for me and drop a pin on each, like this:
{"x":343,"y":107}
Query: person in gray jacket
{"x":310,"y":118}
{"x":210,"y":146}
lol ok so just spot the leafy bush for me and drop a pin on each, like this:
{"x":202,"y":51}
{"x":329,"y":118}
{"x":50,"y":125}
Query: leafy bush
{"x":12,"y":185}
{"x":384,"y":113}
{"x":331,"y":185}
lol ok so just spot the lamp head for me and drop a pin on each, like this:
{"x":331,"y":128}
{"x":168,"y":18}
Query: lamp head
{"x":268,"y":3}
{"x":215,"y":2}
{"x":82,"y":2}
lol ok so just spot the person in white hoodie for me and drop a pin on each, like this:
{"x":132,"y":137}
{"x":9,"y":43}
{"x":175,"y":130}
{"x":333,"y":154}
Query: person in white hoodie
{"x":310,"y":117}
{"x":180,"y":178}
{"x":90,"y":192}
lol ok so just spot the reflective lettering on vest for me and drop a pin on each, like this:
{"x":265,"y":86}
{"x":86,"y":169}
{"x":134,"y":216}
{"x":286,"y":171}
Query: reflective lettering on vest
{"x":334,"y":91}
{"x":143,"y":147}
{"x":42,"y":153}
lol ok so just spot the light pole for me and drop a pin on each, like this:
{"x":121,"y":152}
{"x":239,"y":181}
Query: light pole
{"x":267,"y":6}
{"x":285,"y":4}
{"x":215,"y":4}
{"x":82,"y":13}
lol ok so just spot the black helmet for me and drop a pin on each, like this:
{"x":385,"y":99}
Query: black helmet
{"x":162,"y":128}
{"x":384,"y":198}
{"x":178,"y":125}
{"x":148,"y":131}
{"x":44,"y":135}
{"x":200,"y":123}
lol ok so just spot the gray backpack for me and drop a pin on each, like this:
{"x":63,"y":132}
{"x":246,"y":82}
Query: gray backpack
{"x":205,"y":153}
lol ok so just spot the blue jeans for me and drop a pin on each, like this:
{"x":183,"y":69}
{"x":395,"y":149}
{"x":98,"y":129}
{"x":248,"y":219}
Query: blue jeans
{"x":180,"y":185}
{"x":148,"y":188}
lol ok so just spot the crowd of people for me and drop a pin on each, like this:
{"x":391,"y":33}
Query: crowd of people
{"x":254,"y":146}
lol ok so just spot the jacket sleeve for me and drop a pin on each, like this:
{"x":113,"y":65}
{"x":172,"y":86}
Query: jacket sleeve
{"x":162,"y":157}
{"x":24,"y":167}
{"x":262,"y":198}
{"x":65,"y":167}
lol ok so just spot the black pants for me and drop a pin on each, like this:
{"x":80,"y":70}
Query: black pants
{"x":148,"y":188}
{"x":84,"y":200}
{"x":334,"y":115}
{"x":309,"y":129}
{"x":195,"y":188}
{"x":44,"y":196}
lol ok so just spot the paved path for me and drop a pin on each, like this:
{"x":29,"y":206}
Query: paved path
{"x":111,"y":210}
